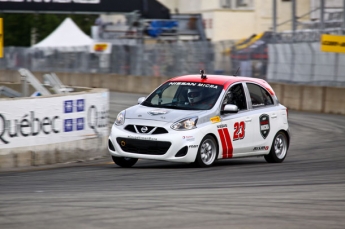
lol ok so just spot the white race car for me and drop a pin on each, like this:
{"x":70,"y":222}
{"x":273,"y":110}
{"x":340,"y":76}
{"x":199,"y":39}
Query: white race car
{"x":199,"y":118}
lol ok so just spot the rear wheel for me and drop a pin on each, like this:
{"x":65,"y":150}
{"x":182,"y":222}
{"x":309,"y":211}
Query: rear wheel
{"x":207,"y":153}
{"x":125,"y":162}
{"x":278,"y":149}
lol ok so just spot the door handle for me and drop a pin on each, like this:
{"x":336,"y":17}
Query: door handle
{"x":274,"y":116}
{"x":248,"y":119}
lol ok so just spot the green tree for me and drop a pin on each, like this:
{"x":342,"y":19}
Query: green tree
{"x":19,"y":29}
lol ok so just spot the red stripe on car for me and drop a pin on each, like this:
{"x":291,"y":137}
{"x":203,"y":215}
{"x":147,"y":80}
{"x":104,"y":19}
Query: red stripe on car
{"x":229,"y":143}
{"x":222,"y":139}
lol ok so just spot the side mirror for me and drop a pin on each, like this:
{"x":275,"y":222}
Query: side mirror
{"x":141,"y":99}
{"x":229,"y":108}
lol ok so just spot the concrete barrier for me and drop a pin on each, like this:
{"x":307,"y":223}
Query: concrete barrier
{"x":294,"y":96}
{"x":53,"y":129}
{"x":311,"y":98}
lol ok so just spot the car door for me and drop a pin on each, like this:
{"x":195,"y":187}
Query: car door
{"x":264,"y":113}
{"x":235,"y":131}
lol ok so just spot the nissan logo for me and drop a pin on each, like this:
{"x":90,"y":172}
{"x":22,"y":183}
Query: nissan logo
{"x":144,"y":129}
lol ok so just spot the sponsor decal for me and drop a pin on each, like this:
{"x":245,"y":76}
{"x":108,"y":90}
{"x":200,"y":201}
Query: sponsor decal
{"x":194,"y":84}
{"x":68,"y":125}
{"x":101,"y":48}
{"x":142,"y":138}
{"x":80,"y":105}
{"x":68,"y":106}
{"x":188,"y":138}
{"x":225,"y":140}
{"x":222,"y":126}
{"x":261,"y":148}
{"x":80,"y":123}
{"x":215,"y":119}
{"x":71,"y":106}
{"x":97,"y":119}
{"x":264,"y":125}
{"x":158,"y":112}
{"x":51,"y":120}
{"x":332,"y":43}
{"x":193,"y":146}
{"x":28,"y":125}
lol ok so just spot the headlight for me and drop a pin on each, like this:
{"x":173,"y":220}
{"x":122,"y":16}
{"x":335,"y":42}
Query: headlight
{"x":185,"y":124}
{"x":120,"y":119}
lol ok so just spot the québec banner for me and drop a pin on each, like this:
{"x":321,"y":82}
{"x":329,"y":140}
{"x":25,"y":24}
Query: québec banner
{"x":41,"y":121}
{"x":147,"y":8}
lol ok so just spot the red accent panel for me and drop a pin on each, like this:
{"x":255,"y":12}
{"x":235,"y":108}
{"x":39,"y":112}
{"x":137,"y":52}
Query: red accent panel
{"x":229,"y":143}
{"x":222,"y":80}
{"x":263,"y":122}
{"x":222,"y":139}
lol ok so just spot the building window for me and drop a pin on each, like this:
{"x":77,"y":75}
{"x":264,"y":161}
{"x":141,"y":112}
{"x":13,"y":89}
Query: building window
{"x":225,"y":3}
{"x":244,"y":4}
{"x":237,"y":4}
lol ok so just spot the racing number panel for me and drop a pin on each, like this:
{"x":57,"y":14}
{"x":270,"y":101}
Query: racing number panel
{"x":239,"y":130}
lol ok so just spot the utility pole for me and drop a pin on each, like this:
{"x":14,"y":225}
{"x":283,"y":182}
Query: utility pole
{"x":294,"y":18}
{"x":274,"y":29}
{"x":322,"y":15}
{"x":343,"y":32}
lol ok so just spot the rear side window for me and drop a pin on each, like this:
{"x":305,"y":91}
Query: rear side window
{"x":259,"y":96}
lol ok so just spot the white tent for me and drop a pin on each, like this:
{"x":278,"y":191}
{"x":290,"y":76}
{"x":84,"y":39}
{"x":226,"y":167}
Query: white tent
{"x":67,"y":37}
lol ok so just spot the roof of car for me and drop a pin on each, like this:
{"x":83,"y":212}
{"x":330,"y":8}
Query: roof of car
{"x":222,"y":80}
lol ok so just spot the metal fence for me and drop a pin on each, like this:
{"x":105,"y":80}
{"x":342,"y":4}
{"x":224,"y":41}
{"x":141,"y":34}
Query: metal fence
{"x":148,"y":60}
{"x":305,"y":63}
{"x":291,"y":60}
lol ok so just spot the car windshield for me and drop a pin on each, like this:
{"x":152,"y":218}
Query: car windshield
{"x":184,"y":96}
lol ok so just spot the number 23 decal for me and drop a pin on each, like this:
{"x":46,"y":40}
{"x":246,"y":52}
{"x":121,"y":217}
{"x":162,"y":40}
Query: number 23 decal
{"x":239,"y":132}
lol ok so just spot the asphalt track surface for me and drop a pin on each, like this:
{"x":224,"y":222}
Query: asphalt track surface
{"x":306,"y":191}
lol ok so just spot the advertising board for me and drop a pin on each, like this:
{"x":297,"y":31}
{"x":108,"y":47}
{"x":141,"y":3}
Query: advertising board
{"x":101,"y":47}
{"x":40,"y":121}
{"x":147,"y":9}
{"x":333,"y":43}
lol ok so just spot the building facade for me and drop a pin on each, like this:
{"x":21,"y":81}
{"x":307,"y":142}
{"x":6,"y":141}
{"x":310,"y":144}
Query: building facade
{"x":237,"y":19}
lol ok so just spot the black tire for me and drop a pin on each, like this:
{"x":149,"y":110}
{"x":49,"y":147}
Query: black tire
{"x":279,"y":148}
{"x":207,"y":152}
{"x":125,"y":162}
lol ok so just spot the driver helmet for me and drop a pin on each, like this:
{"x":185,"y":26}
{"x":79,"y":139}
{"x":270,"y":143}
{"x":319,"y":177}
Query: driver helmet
{"x":194,"y":95}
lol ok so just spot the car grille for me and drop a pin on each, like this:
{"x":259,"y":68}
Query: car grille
{"x":143,"y":146}
{"x":149,"y":129}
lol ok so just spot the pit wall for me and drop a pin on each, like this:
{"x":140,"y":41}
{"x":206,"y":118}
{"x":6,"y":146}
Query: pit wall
{"x":294,"y":96}
{"x":53,"y":129}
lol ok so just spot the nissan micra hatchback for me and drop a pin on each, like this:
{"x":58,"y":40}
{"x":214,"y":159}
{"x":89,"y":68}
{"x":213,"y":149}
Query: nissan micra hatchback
{"x":201,"y":119}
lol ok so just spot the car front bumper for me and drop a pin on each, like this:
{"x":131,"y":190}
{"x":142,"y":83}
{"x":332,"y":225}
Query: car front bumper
{"x":155,"y":146}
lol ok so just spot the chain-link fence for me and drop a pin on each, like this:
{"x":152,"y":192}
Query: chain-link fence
{"x":305,"y":63}
{"x":148,"y":60}
{"x":286,"y":61}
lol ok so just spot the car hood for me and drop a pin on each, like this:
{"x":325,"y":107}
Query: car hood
{"x":159,"y":114}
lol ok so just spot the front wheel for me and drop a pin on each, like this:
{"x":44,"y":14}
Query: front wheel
{"x":278,"y":149}
{"x":207,"y":153}
{"x":125,"y":162}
